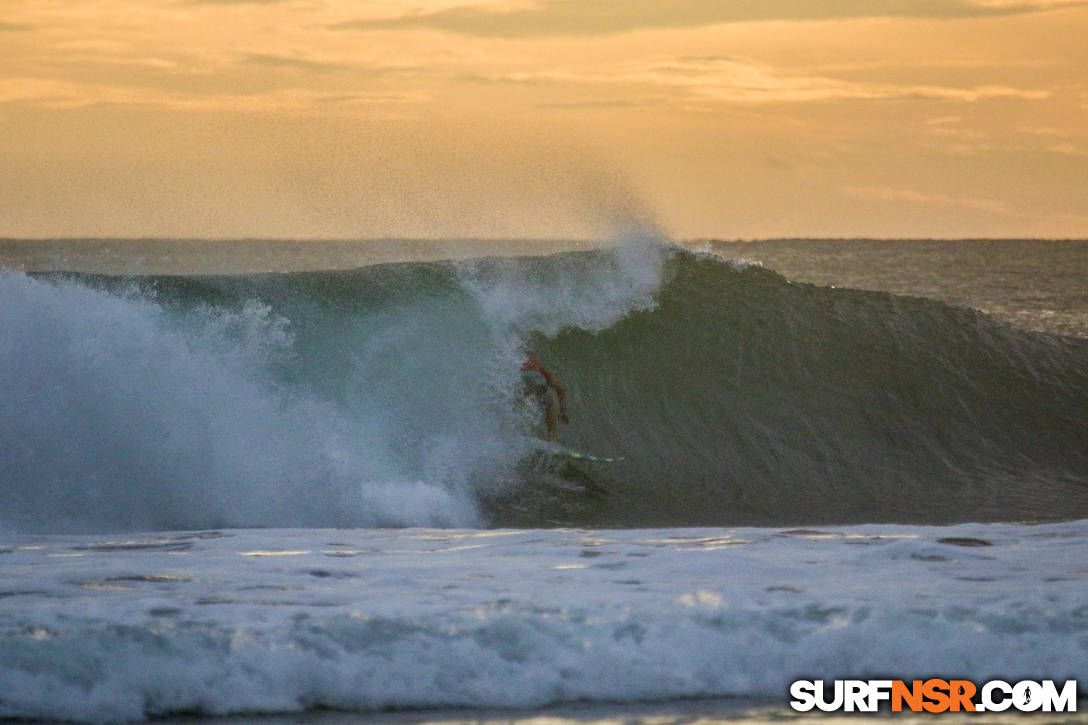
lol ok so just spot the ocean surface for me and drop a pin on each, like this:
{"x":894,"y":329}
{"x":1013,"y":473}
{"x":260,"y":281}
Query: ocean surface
{"x":257,"y":478}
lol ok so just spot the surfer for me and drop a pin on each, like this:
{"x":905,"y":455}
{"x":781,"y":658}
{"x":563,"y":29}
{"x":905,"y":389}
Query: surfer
{"x":538,"y":381}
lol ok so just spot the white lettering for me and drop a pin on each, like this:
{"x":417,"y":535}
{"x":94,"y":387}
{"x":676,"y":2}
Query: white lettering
{"x":993,"y":696}
{"x":987,"y":696}
{"x":1027,"y":696}
{"x":803,"y":693}
{"x":835,"y":703}
{"x":879,"y":690}
{"x":1064,"y":701}
{"x":855,"y":695}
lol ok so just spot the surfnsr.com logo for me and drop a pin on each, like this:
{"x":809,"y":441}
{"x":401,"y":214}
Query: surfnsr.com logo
{"x":934,"y":695}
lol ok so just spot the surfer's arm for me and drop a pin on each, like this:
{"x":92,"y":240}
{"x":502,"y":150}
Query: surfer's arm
{"x":561,"y":393}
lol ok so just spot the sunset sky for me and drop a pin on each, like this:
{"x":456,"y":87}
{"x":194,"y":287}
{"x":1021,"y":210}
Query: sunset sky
{"x":543,"y":118}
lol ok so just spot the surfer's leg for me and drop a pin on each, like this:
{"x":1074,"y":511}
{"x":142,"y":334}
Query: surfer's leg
{"x":551,"y":418}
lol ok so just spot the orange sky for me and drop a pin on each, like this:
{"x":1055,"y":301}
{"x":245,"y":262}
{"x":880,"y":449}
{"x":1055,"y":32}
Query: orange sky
{"x":543,"y":118}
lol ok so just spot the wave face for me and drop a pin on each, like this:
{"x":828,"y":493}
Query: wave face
{"x":388,"y":396}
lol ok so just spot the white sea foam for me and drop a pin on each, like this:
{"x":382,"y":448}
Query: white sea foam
{"x":529,"y":297}
{"x":118,"y":414}
{"x":125,"y":411}
{"x":102,"y":629}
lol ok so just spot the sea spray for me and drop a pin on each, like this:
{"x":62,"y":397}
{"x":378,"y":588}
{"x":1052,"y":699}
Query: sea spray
{"x":589,"y":291}
{"x":118,"y":413}
{"x":382,"y":397}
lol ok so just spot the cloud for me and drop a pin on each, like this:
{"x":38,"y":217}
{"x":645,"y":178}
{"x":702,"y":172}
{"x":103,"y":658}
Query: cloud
{"x":609,"y":17}
{"x":306,"y":65}
{"x":913,"y":196}
{"x":728,"y":80}
{"x":282,"y":61}
{"x":941,"y":63}
{"x":56,"y":94}
{"x":1067,"y":149}
{"x":605,"y":103}
{"x":236,"y":2}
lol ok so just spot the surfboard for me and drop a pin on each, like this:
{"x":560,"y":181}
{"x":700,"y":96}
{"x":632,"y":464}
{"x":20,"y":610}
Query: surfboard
{"x":563,"y":452}
{"x":575,"y":455}
{"x":565,"y":469}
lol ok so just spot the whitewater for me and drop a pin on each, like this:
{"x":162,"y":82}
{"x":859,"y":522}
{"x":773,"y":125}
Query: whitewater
{"x":104,"y":629}
{"x":273,"y":492}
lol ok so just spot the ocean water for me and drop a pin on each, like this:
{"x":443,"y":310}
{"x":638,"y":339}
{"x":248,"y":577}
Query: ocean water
{"x":1032,"y":283}
{"x":241,"y":479}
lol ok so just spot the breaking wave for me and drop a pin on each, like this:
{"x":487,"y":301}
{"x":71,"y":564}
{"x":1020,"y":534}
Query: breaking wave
{"x":388,"y":396}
